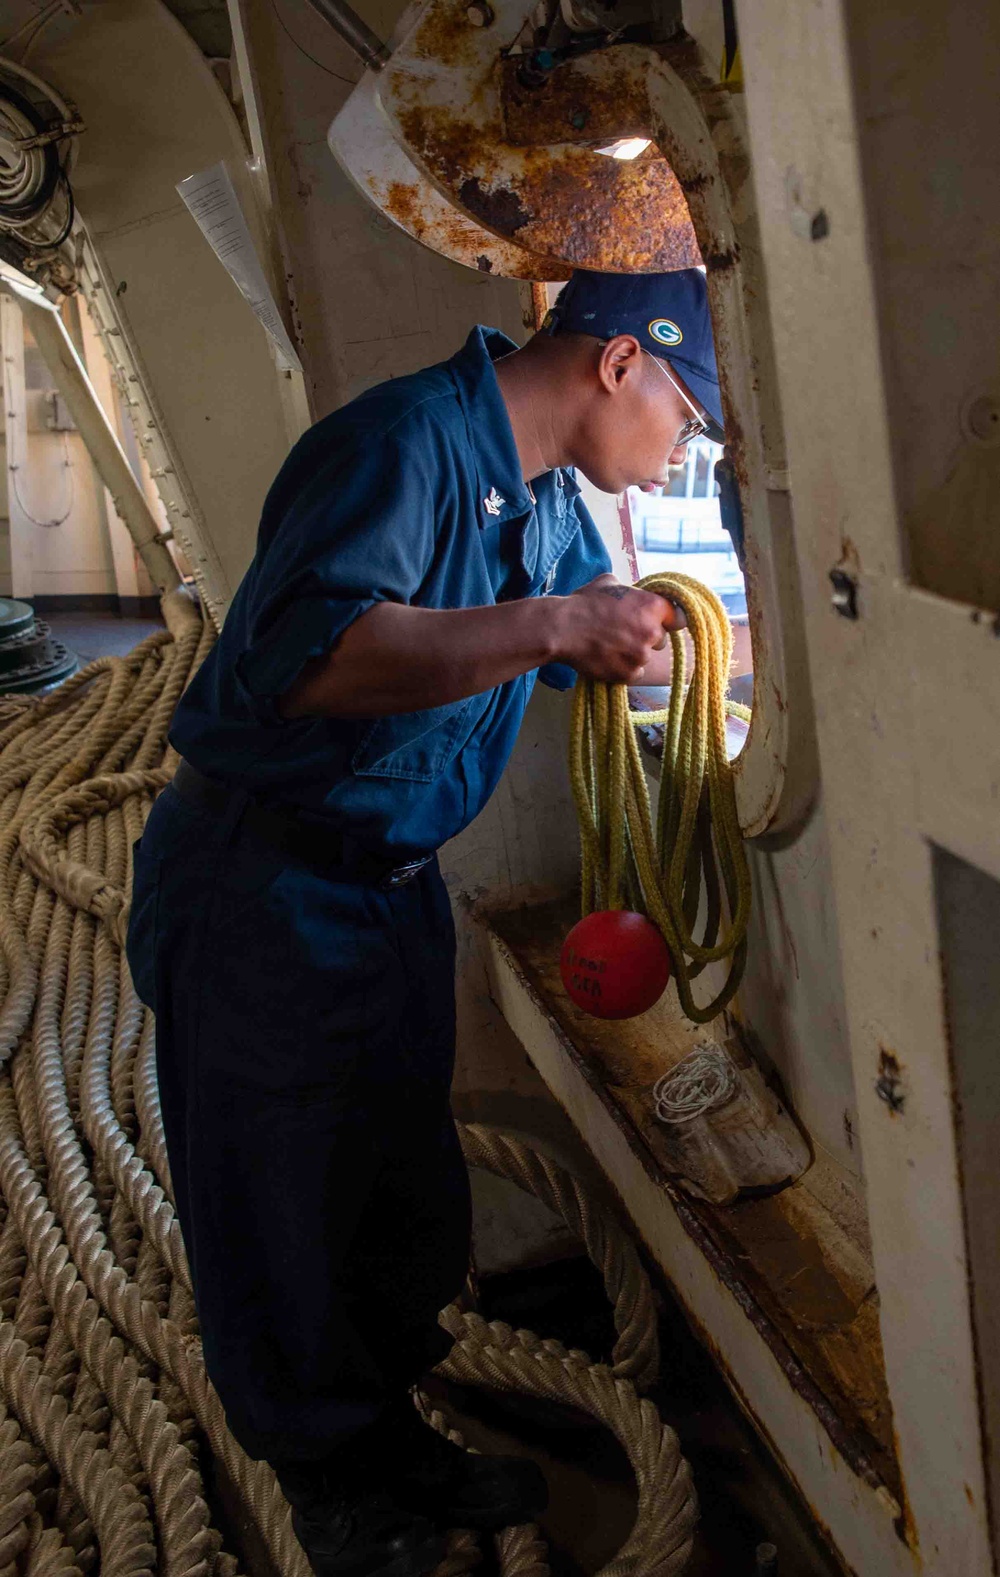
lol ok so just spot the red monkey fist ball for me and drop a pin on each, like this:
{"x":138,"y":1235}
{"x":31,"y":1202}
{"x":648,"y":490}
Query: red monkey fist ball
{"x":615,"y":964}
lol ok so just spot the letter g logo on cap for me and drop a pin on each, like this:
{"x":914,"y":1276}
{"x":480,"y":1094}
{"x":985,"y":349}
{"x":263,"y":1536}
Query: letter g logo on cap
{"x":665,"y":332}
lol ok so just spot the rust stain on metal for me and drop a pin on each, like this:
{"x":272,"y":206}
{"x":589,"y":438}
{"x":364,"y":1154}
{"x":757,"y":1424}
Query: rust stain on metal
{"x":446,"y":35}
{"x":402,"y":203}
{"x":905,"y":1524}
{"x":889,"y":1083}
{"x":539,"y":304}
{"x":735,"y":441}
{"x":447,"y":230}
{"x":717,"y":261}
{"x":566,"y":202}
{"x":595,"y":99}
{"x":500,"y":209}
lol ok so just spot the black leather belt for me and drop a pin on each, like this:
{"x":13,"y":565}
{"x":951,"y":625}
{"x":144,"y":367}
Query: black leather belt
{"x":308,"y":842}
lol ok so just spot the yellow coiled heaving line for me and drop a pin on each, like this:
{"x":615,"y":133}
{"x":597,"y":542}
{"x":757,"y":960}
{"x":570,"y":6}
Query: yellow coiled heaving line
{"x":659,"y":872}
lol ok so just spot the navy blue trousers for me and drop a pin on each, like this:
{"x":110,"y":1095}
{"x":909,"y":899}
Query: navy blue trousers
{"x":305,"y":1047}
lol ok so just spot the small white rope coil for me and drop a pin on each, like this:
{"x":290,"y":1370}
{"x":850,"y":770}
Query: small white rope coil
{"x":701,"y":1082}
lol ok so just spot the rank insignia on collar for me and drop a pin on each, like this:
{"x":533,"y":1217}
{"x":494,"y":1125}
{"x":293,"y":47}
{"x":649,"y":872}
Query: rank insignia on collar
{"x":493,"y":502}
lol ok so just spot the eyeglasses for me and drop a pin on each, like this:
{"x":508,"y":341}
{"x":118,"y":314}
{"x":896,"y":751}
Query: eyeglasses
{"x":696,"y":425}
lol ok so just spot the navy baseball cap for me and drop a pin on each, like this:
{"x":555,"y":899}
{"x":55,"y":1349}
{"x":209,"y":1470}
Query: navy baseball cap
{"x":667,"y":313}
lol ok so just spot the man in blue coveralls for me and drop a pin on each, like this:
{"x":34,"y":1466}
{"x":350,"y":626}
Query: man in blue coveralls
{"x":423,"y":556}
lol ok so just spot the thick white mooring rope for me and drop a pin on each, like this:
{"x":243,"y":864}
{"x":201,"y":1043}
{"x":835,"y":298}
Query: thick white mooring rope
{"x":103,"y":1392}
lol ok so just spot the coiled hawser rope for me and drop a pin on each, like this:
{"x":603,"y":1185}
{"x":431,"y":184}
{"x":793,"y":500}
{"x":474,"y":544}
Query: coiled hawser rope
{"x":103,"y":1392}
{"x":659,"y":871}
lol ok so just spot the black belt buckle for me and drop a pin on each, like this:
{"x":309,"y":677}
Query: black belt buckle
{"x":401,"y":874}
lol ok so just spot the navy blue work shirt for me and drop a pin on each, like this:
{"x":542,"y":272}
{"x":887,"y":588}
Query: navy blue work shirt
{"x":412,"y":493}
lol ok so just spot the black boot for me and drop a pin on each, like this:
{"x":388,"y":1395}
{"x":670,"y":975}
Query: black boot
{"x":350,"y":1527}
{"x":457,"y":1489}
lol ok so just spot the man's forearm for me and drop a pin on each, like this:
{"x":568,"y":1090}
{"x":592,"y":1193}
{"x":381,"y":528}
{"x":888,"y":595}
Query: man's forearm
{"x":396,"y":658}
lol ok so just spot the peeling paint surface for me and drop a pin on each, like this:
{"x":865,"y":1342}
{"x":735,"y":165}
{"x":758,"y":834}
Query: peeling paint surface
{"x":457,"y":106}
{"x":360,"y":140}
